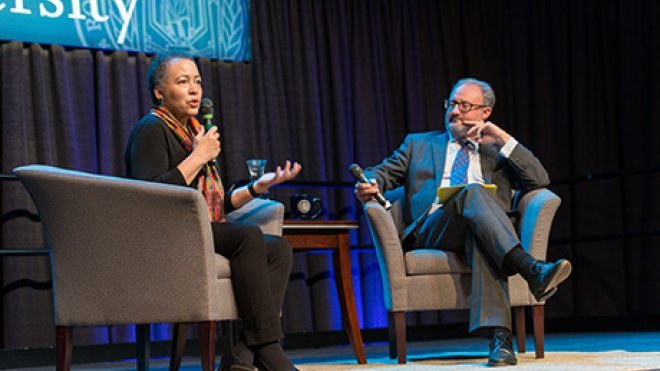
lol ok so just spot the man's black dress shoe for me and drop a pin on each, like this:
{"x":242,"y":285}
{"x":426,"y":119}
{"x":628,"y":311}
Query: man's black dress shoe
{"x":546,"y":277}
{"x":501,"y":349}
{"x":230,"y":362}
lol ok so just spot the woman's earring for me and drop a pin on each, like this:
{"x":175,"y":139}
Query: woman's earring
{"x":160,"y":101}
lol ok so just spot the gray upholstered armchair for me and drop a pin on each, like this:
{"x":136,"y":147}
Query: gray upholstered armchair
{"x":434,"y":280}
{"x":134,"y":252}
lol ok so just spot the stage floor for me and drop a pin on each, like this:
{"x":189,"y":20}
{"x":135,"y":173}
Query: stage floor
{"x":568,"y":351}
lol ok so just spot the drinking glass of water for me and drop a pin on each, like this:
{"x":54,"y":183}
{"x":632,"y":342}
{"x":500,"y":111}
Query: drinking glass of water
{"x":256,"y":167}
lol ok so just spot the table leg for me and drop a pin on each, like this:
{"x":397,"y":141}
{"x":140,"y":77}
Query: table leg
{"x":142,"y":342}
{"x":343,"y":277}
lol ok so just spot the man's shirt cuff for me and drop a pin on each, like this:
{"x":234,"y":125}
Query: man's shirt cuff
{"x":508,"y":147}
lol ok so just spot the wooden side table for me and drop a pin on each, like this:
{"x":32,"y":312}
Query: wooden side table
{"x":332,"y":235}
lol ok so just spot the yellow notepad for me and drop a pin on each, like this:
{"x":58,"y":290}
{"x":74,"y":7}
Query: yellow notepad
{"x":445,"y":193}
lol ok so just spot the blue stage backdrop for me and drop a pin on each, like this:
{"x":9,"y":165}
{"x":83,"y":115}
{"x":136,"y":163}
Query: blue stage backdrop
{"x":217,"y":29}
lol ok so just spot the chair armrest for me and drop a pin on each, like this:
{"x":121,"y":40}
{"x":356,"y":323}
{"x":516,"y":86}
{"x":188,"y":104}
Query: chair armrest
{"x":268,"y":214}
{"x":537,"y":211}
{"x":388,"y":250}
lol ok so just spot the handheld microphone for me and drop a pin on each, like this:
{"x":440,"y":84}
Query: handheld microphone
{"x":207,"y":113}
{"x":357,"y":172}
{"x":207,"y":118}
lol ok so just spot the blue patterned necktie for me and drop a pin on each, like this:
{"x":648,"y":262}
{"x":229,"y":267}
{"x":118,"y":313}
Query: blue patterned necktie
{"x":460,"y":167}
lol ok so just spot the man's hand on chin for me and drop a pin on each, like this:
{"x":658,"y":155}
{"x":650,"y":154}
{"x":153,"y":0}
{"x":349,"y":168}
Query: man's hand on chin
{"x":486,"y":132}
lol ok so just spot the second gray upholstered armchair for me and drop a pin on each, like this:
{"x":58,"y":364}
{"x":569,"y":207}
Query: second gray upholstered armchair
{"x":431,"y":279}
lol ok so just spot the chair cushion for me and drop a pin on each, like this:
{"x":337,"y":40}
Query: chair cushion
{"x":431,"y":261}
{"x":222,"y":266}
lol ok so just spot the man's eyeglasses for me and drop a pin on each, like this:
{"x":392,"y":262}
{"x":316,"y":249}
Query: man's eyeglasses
{"x":462,"y":106}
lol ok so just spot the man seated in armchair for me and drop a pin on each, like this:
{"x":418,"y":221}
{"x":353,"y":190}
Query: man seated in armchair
{"x":474,"y":222}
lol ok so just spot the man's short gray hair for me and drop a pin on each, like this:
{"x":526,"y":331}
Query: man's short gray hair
{"x":486,"y":90}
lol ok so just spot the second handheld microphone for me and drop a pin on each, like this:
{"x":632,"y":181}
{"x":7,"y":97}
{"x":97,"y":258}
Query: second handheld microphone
{"x":357,"y":172}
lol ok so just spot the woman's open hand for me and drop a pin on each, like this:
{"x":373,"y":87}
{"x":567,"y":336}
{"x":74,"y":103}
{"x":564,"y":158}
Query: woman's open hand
{"x":280,"y":175}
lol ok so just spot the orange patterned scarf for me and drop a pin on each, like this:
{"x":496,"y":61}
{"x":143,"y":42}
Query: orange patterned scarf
{"x":208,"y":180}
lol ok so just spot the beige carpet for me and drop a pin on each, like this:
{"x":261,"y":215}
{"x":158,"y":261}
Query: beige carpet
{"x":572,"y":351}
{"x":581,"y":351}
{"x":597,"y":361}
